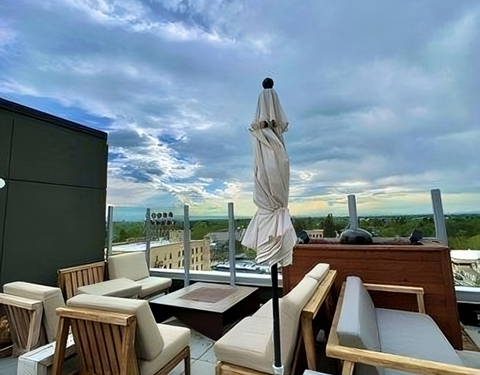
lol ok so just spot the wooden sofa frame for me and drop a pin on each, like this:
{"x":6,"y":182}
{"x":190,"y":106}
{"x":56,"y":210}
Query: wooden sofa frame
{"x":105,"y":343}
{"x":69,"y":279}
{"x":323,"y":293}
{"x":25,"y":320}
{"x":350,"y":356}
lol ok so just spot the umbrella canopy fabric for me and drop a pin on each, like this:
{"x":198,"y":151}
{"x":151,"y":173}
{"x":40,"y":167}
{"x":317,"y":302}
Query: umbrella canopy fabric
{"x":270,"y":231}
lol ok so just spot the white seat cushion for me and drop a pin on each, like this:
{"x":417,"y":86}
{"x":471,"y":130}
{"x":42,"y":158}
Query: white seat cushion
{"x":174,"y":339}
{"x":396,"y":329}
{"x":469,"y":358}
{"x":133,"y":266}
{"x":148,"y":341}
{"x":248,"y":344}
{"x":114,"y":288}
{"x":51,"y":298}
{"x":153,"y":284}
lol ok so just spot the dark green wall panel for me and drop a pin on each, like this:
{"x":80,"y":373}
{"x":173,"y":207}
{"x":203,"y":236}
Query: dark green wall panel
{"x":6,"y":121}
{"x":48,"y":227}
{"x":3,"y":203}
{"x":44,"y":152}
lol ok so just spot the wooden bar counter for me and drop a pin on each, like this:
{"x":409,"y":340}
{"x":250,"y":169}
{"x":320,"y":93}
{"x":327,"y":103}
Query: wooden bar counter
{"x":388,"y":261}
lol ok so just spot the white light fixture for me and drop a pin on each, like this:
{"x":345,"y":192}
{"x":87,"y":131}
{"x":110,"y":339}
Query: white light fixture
{"x":2,"y":183}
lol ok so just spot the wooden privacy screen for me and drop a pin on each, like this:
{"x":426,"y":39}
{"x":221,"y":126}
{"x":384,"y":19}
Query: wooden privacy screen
{"x":427,"y":266}
{"x":69,"y":279}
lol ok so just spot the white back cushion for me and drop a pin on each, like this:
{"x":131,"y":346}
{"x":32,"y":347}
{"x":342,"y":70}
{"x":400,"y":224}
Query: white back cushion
{"x":133,"y":266}
{"x":319,"y":271}
{"x":298,"y":297}
{"x":357,"y":326}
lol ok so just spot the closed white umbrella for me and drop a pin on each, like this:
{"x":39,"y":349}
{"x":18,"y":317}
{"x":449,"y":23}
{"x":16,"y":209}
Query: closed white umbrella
{"x":270,"y":231}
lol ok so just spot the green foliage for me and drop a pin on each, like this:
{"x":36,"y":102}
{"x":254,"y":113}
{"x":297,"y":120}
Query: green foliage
{"x":125,"y":229}
{"x":463,"y":230}
{"x":328,"y":226}
{"x":199,"y":229}
{"x":305,"y":223}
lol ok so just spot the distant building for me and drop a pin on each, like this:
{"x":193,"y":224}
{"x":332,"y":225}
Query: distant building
{"x":315,"y":233}
{"x":172,"y":255}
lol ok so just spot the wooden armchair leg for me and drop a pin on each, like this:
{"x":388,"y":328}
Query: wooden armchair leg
{"x":60,"y":346}
{"x":187,"y":362}
{"x":348,"y":368}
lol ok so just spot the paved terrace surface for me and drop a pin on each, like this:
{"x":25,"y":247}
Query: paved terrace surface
{"x":203,"y":357}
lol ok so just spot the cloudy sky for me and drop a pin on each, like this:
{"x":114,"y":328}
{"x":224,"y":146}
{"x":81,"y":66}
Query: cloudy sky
{"x":382,"y":96}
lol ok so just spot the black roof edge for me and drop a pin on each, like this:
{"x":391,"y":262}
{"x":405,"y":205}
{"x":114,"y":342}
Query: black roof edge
{"x":27,"y":111}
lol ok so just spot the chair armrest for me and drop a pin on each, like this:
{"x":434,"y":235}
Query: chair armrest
{"x":21,"y":302}
{"x":25,"y":320}
{"x":397,"y":362}
{"x":400,"y":289}
{"x":315,"y":302}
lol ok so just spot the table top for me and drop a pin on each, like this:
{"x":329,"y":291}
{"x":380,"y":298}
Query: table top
{"x":206,"y":297}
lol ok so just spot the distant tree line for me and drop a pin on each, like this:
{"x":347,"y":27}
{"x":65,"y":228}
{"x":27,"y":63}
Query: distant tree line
{"x":463,"y":230}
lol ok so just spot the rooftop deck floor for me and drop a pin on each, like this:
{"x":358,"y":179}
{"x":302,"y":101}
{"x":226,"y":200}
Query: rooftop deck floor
{"x":203,"y":357}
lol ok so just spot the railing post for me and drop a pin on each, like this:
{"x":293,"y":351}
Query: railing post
{"x":438,"y":217}
{"x":231,"y":243}
{"x":352,"y":211}
{"x":109,"y":230}
{"x":148,"y":235}
{"x":186,"y":244}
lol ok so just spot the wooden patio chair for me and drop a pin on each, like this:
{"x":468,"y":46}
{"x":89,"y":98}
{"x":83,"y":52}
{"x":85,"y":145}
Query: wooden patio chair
{"x":69,"y":279}
{"x":119,"y":336}
{"x":134,"y":266}
{"x":355,"y":340}
{"x":24,"y":317}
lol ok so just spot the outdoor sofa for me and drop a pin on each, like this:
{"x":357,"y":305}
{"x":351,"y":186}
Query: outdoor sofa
{"x":248,"y":347}
{"x":378,"y":341}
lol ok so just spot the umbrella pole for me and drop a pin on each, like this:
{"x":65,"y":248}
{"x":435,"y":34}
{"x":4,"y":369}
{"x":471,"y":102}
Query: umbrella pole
{"x":277,"y":364}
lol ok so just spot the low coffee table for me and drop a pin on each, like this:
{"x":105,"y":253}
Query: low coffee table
{"x":207,"y":308}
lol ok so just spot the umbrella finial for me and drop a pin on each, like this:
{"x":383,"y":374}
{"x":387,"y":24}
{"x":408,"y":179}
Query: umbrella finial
{"x":267,"y":83}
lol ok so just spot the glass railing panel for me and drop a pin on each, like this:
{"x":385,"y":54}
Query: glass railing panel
{"x":462,"y":220}
{"x":165,"y":230}
{"x":378,"y":215}
{"x":129,"y":229}
{"x":209,"y":238}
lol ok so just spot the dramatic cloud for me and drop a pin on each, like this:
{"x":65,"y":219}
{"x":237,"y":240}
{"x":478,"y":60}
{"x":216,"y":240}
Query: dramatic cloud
{"x":382,"y":97}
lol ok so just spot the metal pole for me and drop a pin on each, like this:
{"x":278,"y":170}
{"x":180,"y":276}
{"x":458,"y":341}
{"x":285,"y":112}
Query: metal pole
{"x":438,"y":217}
{"x":277,"y":364}
{"x":231,"y":243}
{"x":186,"y":244}
{"x":148,"y":235}
{"x":352,"y":211}
{"x":109,"y":230}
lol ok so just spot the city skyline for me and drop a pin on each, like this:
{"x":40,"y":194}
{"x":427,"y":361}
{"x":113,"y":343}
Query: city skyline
{"x":382,"y":97}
